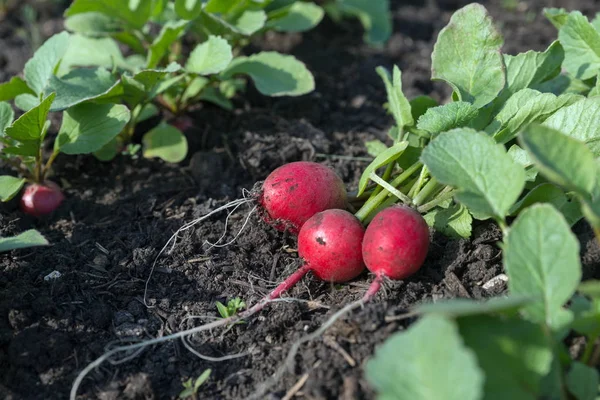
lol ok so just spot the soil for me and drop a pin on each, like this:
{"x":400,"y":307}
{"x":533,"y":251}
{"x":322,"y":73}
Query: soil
{"x":119,"y":215}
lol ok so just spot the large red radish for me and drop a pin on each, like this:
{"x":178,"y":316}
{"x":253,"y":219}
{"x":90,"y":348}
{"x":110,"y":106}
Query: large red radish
{"x":294,"y":192}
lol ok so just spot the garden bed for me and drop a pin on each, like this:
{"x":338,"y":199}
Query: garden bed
{"x":119,"y":215}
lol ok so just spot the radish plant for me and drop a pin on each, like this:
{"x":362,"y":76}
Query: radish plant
{"x":29,"y":238}
{"x":86,"y":127}
{"x":495,"y":96}
{"x":181,"y":53}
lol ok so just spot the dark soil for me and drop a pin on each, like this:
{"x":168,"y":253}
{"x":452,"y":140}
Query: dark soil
{"x":118,"y":216}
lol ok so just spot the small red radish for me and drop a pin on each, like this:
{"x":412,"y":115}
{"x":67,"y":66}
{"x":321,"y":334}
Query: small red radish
{"x":396,"y":242}
{"x":330,"y":242}
{"x":294,"y":192}
{"x":41,"y":199}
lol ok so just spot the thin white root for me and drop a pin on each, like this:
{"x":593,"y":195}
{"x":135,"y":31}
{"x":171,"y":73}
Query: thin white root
{"x":232,"y":204}
{"x":289,"y":360}
{"x":138,"y":347}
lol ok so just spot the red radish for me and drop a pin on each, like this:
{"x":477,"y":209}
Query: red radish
{"x":294,"y":192}
{"x":396,"y":242}
{"x":319,"y":244}
{"x":41,"y":199}
{"x":329,"y":243}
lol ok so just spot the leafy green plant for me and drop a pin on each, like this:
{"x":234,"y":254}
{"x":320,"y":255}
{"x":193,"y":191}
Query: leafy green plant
{"x":515,"y":346}
{"x":29,"y":238}
{"x":86,"y":127}
{"x":181,"y":53}
{"x":192,"y":385}
{"x":432,"y":164}
{"x":232,"y":308}
{"x":374,"y":16}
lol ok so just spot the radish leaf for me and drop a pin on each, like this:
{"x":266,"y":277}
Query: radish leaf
{"x":467,"y":56}
{"x":404,"y":368}
{"x":541,"y":259}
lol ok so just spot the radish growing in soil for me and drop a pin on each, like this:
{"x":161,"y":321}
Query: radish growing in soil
{"x":329,"y":244}
{"x":41,"y":199}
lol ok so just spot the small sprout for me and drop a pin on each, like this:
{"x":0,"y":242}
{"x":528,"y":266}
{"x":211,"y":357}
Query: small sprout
{"x":191,"y":386}
{"x":232,"y":308}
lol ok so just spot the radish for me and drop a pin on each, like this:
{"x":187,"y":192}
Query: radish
{"x":329,"y":244}
{"x":294,"y":192}
{"x":396,"y":242}
{"x":41,"y":199}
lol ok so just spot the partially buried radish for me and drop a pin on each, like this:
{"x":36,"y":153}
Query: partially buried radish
{"x":396,"y":242}
{"x":41,"y":199}
{"x":294,"y":192}
{"x":329,"y":244}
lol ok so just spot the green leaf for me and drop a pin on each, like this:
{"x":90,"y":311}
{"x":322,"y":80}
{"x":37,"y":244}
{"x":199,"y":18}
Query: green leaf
{"x":443,"y":118}
{"x":531,"y":68}
{"x":489,"y":181}
{"x":202,"y":378}
{"x":88,"y":127}
{"x":563,"y":160}
{"x":29,"y":238}
{"x":467,"y":56}
{"x":397,"y":103}
{"x":522,"y":158}
{"x":580,"y":120}
{"x":92,"y":52}
{"x":42,"y":65}
{"x":273,"y":74}
{"x":110,"y":150}
{"x":10,"y":186}
{"x":514,"y":354}
{"x":582,"y":46}
{"x":214,"y":95}
{"x":165,"y":142}
{"x":541,"y":259}
{"x":374,"y":16}
{"x":587,"y":315}
{"x":210,"y":57}
{"x":220,"y":6}
{"x":134,"y":13}
{"x":590,"y":288}
{"x":7,"y":115}
{"x":11,"y":89}
{"x":375,"y":147}
{"x":582,"y":381}
{"x":558,"y":16}
{"x":454,"y":308}
{"x":387,"y":156}
{"x":549,"y":193}
{"x":93,"y":24}
{"x":525,"y":107}
{"x":78,"y":86}
{"x":299,"y":17}
{"x":420,"y":104}
{"x":454,"y":221}
{"x":223,"y":311}
{"x":169,"y":34}
{"x":30,"y":125}
{"x":250,"y":21}
{"x":426,"y":362}
{"x":188,"y":9}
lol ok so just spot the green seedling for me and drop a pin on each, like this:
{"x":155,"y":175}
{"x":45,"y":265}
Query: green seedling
{"x":192,"y":385}
{"x":232,"y":308}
